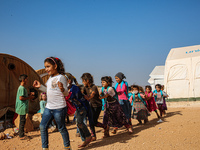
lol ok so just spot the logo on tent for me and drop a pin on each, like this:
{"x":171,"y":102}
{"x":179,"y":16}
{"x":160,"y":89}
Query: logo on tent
{"x":194,"y":51}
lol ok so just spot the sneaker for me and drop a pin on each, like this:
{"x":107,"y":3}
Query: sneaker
{"x":54,"y":129}
{"x":159,"y":121}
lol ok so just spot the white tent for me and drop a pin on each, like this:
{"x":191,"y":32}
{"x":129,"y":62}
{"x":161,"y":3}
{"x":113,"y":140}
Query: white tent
{"x":182,"y":72}
{"x":157,"y":76}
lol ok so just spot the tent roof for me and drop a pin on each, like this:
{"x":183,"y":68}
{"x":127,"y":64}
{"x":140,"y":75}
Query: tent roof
{"x":12,"y":67}
{"x":184,"y":52}
{"x":151,"y":80}
{"x":158,"y":72}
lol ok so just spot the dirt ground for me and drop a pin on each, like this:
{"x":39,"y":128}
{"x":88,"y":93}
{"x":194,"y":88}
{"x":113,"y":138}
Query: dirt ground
{"x":180,"y":130}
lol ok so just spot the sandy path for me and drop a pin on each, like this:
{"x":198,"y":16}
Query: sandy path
{"x":179,"y":131}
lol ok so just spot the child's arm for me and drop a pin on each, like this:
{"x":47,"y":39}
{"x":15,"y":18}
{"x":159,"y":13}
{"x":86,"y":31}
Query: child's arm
{"x":100,"y":91}
{"x":148,"y":98}
{"x":94,"y":91}
{"x":143,"y":96}
{"x":63,"y":86}
{"x":89,"y":97}
{"x":41,"y":87}
{"x":124,"y":89}
{"x":131,"y":99}
{"x":165,"y":94}
{"x":22,"y":98}
{"x":105,"y":96}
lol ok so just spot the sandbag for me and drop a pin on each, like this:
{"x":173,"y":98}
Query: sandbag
{"x":28,"y":125}
{"x":36,"y":119}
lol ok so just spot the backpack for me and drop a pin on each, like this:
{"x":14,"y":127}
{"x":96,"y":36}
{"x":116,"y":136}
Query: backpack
{"x":122,"y":83}
{"x":155,"y":91}
{"x":115,"y":96}
{"x":139,"y":98}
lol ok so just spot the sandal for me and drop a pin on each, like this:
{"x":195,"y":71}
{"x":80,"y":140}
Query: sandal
{"x":94,"y":138}
{"x":25,"y":138}
{"x":82,"y":145}
{"x":130,"y":130}
{"x":114,"y":131}
{"x":86,"y":142}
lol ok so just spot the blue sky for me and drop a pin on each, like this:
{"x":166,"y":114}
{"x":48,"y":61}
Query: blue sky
{"x":102,"y":37}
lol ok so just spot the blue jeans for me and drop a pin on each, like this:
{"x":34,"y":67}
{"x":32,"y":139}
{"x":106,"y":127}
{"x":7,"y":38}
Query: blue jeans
{"x":81,"y":123}
{"x":59,"y":116}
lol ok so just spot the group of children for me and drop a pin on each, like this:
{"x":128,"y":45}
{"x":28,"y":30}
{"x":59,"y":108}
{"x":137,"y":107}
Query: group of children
{"x":119,"y":103}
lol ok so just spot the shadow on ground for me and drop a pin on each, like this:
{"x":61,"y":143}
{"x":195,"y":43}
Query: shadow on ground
{"x":122,"y":136}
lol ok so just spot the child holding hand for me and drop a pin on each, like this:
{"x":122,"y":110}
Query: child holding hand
{"x":56,"y":104}
{"x":113,"y":114}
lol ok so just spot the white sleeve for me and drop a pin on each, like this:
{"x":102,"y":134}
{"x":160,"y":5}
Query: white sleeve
{"x":111,"y":92}
{"x":164,"y":94}
{"x":63,"y":80}
{"x":43,"y":88}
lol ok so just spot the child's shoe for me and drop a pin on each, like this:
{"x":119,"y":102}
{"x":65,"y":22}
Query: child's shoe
{"x":68,"y":148}
{"x":86,"y":142}
{"x":159,"y":121}
{"x":94,"y":138}
{"x":114,"y":131}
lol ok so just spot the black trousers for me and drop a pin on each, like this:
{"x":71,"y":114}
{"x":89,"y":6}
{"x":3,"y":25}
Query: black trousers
{"x":21,"y":125}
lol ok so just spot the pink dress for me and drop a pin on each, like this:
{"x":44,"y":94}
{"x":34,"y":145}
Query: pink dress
{"x":151,"y":104}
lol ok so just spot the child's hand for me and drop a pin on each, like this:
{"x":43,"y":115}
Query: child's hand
{"x":31,"y":97}
{"x":36,"y":84}
{"x":155,"y":94}
{"x":118,"y":93}
{"x":60,"y":85}
{"x":100,"y":97}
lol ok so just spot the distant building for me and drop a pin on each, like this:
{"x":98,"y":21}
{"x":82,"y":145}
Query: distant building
{"x":157,"y":76}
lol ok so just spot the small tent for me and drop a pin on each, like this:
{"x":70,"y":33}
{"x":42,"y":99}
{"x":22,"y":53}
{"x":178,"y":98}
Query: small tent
{"x":182,"y":72}
{"x":157,"y":76}
{"x":12,"y":67}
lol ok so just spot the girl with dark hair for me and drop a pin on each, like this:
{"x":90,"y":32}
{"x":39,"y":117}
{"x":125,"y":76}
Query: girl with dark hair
{"x":83,"y":110}
{"x":122,"y":90}
{"x":56,"y":105}
{"x":113,"y":114}
{"x":159,"y":98}
{"x":150,"y":101}
{"x":91,"y":94}
{"x":137,"y":100}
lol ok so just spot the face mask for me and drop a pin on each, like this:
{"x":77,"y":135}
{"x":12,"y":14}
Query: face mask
{"x":135,"y":92}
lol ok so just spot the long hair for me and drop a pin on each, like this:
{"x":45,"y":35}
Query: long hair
{"x":58,"y":62}
{"x":72,"y":78}
{"x":87,"y":76}
{"x":107,"y":79}
{"x":148,"y":87}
